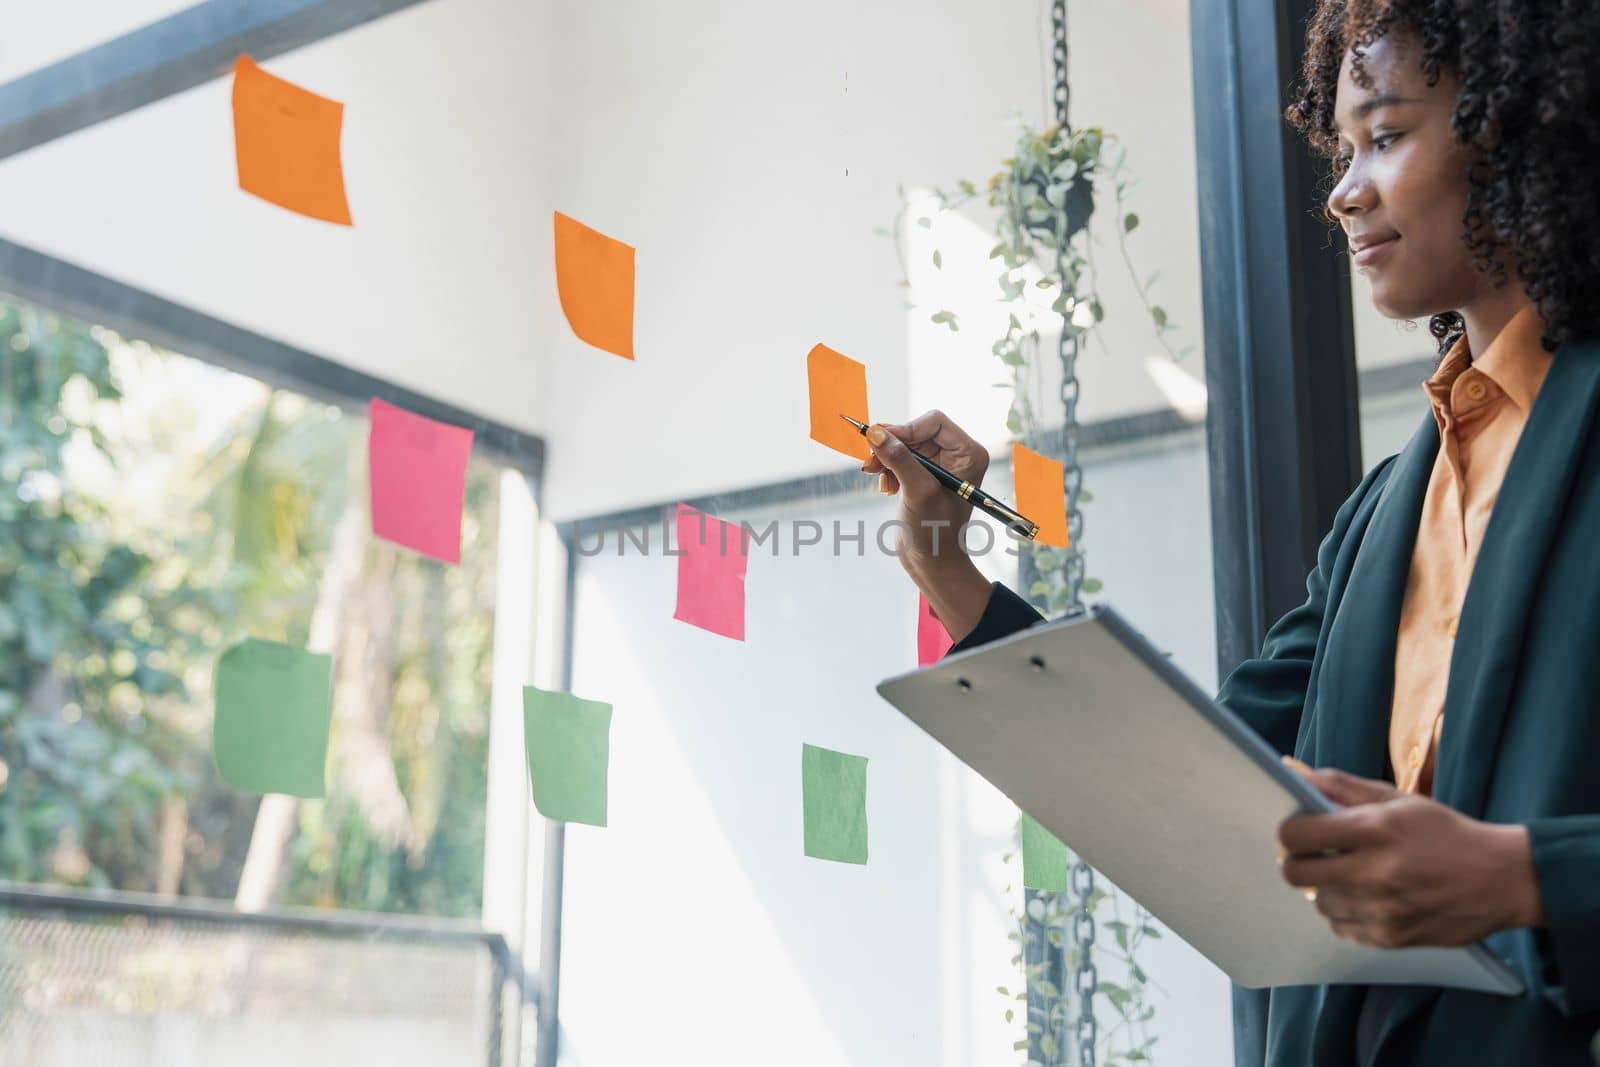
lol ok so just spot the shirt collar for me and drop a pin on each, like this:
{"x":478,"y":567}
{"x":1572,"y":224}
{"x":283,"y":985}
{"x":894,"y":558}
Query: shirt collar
{"x":1515,"y":360}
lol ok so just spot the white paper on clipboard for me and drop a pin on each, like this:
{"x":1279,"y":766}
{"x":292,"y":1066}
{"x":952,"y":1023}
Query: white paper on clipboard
{"x":1089,"y":729}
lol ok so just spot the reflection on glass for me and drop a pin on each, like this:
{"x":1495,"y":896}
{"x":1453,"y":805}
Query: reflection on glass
{"x":153,"y":510}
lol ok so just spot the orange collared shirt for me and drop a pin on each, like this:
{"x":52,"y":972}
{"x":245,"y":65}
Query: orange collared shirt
{"x":1481,"y":406}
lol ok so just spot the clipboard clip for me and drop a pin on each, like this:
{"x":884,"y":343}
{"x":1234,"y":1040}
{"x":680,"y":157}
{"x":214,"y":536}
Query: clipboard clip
{"x":1035,"y":663}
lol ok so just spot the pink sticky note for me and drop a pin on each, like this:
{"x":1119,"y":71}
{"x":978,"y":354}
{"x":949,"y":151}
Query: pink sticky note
{"x":932,"y":640}
{"x":711,"y":570}
{"x":418,"y":477}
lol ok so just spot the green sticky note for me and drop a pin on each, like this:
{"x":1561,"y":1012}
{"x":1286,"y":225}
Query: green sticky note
{"x":834,"y":790}
{"x":569,"y":746}
{"x":273,"y":706}
{"x":1044,"y":859}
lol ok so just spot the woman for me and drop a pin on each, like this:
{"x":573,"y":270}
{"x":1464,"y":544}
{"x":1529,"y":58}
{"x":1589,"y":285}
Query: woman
{"x":1443,"y":671}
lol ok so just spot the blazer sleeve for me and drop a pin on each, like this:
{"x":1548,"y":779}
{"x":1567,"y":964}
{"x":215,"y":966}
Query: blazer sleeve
{"x":1269,"y":691}
{"x":1005,"y":614}
{"x":1566,"y":863}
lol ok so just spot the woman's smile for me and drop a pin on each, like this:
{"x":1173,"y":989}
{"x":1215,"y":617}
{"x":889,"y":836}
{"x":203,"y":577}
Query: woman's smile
{"x":1369,"y":249}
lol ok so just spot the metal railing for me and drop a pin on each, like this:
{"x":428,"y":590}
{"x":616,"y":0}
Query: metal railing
{"x":125,"y":979}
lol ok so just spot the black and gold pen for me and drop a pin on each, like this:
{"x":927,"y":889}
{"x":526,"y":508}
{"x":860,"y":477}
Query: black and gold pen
{"x":1024,"y":528}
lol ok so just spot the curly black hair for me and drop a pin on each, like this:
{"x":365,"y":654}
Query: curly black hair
{"x":1529,"y":109}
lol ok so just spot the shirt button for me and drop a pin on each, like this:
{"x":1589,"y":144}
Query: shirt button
{"x":1414,"y":757}
{"x":1476,"y":389}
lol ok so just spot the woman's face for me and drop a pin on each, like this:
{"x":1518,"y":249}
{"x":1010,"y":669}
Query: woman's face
{"x":1403,"y":194}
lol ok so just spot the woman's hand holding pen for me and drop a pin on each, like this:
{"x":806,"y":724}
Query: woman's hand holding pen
{"x":930,"y":544}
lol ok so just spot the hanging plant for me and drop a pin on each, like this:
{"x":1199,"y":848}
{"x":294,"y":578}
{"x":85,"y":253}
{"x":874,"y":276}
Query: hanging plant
{"x":1045,"y":197}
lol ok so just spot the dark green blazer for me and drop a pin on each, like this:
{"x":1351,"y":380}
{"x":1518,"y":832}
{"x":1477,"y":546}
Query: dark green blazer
{"x":1521,"y":736}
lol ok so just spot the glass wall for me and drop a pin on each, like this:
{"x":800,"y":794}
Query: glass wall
{"x":698,"y":896}
{"x":155,"y":509}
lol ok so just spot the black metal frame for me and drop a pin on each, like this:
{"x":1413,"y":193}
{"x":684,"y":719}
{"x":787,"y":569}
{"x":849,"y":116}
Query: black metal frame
{"x":1283,"y":430}
{"x":168,"y":56}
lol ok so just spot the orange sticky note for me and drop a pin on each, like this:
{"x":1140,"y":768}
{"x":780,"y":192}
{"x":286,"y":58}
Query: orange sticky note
{"x":933,"y":640}
{"x":286,"y":140}
{"x":713,"y":557}
{"x":1041,"y":493}
{"x":838,"y":387}
{"x":594,"y":277}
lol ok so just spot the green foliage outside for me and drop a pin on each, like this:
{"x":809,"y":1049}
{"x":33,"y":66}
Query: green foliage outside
{"x":154,"y":509}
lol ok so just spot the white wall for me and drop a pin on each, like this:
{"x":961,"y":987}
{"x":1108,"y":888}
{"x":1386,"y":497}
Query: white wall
{"x":446,"y":163}
{"x":714,"y":135}
{"x":749,"y":150}
{"x":40,"y":34}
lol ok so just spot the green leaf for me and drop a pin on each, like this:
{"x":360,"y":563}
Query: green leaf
{"x":925,"y":222}
{"x":881,"y":231}
{"x":1085,"y":497}
{"x":1003,"y":991}
{"x":1014,"y":423}
{"x":1010,"y":1015}
{"x":938,"y":260}
{"x":1092,"y":585}
{"x":968,"y":188}
{"x":1020,"y":1046}
{"x":997,"y":251}
{"x":1130,"y":222}
{"x":1159,"y":314}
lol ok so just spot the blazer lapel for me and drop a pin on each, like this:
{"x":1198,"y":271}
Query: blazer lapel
{"x":1505,"y":576}
{"x":1349,"y":720}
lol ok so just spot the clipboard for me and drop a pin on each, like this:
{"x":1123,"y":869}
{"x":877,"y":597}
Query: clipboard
{"x":1088,"y":728}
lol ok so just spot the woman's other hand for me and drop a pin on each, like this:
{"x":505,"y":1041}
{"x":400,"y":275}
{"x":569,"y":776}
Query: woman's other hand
{"x":1396,"y":869}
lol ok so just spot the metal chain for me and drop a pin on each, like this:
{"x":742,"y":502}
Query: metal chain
{"x":1058,"y":28}
{"x":1086,"y":979}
